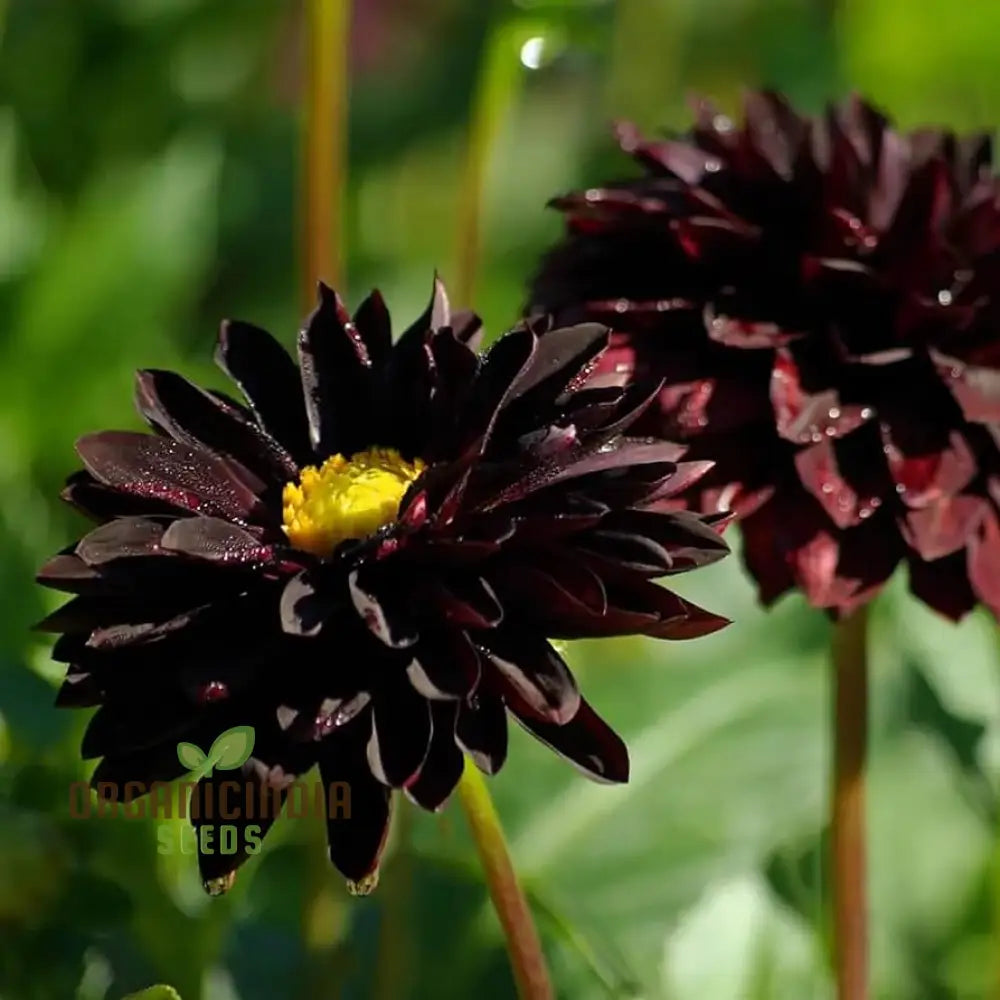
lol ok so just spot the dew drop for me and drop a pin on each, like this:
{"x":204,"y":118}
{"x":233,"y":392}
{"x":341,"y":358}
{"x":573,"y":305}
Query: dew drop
{"x":944,"y":297}
{"x":363,"y":886}
{"x":621,"y":306}
{"x":722,"y":123}
{"x":815,"y":437}
{"x":834,"y":413}
{"x":712,"y":166}
{"x":955,"y":372}
{"x":213,"y":691}
{"x":831,"y":431}
{"x":221,"y":885}
{"x":900,"y":488}
{"x":866,"y":413}
{"x":593,"y":194}
{"x":827,"y":488}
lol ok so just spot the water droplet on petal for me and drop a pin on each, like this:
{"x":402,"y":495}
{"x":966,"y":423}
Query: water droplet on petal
{"x":834,"y":413}
{"x":900,"y":488}
{"x":712,"y":166}
{"x":722,"y":123}
{"x":363,"y":886}
{"x":621,"y":306}
{"x":944,"y":297}
{"x":831,"y":431}
{"x":866,"y":413}
{"x":221,"y":885}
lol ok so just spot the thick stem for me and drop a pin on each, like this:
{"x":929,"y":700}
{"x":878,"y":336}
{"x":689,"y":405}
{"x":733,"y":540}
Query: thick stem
{"x":523,"y":946}
{"x":324,"y":153}
{"x":848,"y":828}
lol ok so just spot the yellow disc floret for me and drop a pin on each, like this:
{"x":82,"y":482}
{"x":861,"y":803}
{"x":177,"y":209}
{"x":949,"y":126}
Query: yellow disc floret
{"x":346,"y":498}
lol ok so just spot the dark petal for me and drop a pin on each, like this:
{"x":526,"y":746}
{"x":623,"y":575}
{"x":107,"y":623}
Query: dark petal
{"x":584,"y":461}
{"x":407,"y":382}
{"x":232,"y":811}
{"x":371,"y":319}
{"x":481,"y":731}
{"x":400,"y":735}
{"x":213,"y":540}
{"x":163,"y":469}
{"x":823,"y":469}
{"x":984,"y":563}
{"x":943,"y":527}
{"x":976,"y":389}
{"x":85,"y":613}
{"x":638,"y":397}
{"x":504,"y":364}
{"x":79,"y":690}
{"x":442,"y":768}
{"x":551,"y":584}
{"x":631,"y":551}
{"x":948,"y":585}
{"x":924,"y":468}
{"x":122,"y":728}
{"x":194,"y":417}
{"x":69,"y":573}
{"x":562,"y":360}
{"x":745,"y":334}
{"x":306,"y":604}
{"x":446,"y":664}
{"x":102,"y":503}
{"x":117,"y":636}
{"x":357,"y":838}
{"x":805,"y":417}
{"x":586,"y":741}
{"x":323,"y":720}
{"x":466,"y":601}
{"x":382,"y":613}
{"x":535,"y":671}
{"x":336,"y":377}
{"x":269,"y":380}
{"x":121,"y":539}
{"x":142,"y":767}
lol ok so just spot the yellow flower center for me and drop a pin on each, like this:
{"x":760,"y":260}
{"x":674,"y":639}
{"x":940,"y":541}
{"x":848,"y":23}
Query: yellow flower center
{"x":346,"y":498}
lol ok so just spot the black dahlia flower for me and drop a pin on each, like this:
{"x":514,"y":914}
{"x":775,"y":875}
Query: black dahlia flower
{"x":822,"y":297}
{"x":365,"y":563}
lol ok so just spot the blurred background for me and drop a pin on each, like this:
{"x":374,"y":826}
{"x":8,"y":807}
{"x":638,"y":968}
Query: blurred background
{"x":148,"y":175}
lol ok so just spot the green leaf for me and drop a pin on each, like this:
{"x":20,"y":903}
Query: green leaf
{"x":232,"y":747}
{"x":155,"y":993}
{"x":190,"y":756}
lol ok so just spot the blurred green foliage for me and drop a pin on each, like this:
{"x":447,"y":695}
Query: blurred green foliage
{"x":148,"y":166}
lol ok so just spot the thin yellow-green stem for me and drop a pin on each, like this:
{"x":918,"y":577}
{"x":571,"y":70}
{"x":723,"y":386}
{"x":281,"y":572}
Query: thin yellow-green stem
{"x":523,"y":945}
{"x":324,"y":153}
{"x":848,"y":863}
{"x":495,"y":93}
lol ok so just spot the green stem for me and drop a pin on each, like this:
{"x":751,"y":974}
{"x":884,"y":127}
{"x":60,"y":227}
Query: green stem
{"x":496,"y":91}
{"x":848,"y":829}
{"x":324,"y":155}
{"x":523,"y":945}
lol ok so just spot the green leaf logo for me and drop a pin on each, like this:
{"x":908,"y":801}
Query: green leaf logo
{"x":190,"y":756}
{"x":230,"y":749}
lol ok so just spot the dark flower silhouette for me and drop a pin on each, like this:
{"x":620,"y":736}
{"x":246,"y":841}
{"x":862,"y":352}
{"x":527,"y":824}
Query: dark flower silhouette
{"x":366,"y":563}
{"x":821,"y":297}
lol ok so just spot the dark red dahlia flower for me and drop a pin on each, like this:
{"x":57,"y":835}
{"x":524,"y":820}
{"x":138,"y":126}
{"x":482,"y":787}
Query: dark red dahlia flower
{"x":365,"y":563}
{"x":822,"y":298}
